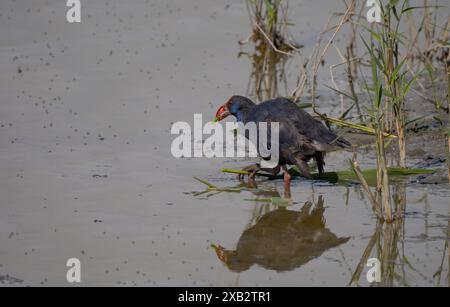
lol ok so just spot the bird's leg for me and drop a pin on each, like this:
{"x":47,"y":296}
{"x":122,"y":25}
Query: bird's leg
{"x":287,"y":191}
{"x":287,"y":179}
{"x":254,"y":169}
{"x":320,"y":162}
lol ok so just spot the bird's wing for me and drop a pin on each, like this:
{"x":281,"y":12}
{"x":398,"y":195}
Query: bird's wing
{"x":305,"y":124}
{"x":292,"y":143}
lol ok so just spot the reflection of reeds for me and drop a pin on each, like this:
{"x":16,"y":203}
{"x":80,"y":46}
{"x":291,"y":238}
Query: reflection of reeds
{"x":270,"y":24}
{"x":440,"y":270}
{"x":356,"y":276}
{"x":273,"y":46}
{"x":386,"y":244}
{"x":267,"y":73}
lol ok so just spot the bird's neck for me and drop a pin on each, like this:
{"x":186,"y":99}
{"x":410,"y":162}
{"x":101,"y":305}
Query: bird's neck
{"x":241,"y":115}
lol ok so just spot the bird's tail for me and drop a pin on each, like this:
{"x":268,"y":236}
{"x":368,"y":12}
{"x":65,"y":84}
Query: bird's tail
{"x":343,"y":143}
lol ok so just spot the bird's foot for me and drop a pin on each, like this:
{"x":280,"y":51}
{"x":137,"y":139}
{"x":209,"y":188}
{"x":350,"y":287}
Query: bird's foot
{"x":252,"y":170}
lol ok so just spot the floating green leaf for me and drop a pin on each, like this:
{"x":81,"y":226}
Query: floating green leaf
{"x":346,"y":176}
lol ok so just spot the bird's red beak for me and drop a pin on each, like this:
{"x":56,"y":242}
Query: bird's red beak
{"x":222,"y":113}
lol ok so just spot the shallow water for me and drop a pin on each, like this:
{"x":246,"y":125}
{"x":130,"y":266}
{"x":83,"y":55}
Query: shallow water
{"x":86,"y":169}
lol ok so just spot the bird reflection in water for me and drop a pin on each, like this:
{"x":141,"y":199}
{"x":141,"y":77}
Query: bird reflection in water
{"x":282,"y":240}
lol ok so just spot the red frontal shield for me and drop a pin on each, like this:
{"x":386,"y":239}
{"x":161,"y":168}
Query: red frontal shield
{"x":221,"y":113}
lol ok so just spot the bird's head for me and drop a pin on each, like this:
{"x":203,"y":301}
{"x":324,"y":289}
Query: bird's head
{"x":237,"y":106}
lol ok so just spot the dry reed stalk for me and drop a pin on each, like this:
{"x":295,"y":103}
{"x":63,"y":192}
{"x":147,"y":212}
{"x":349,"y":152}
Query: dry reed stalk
{"x":427,"y":28}
{"x":383,"y":178}
{"x":269,"y":40}
{"x":333,"y":80}
{"x":375,"y":204}
{"x":389,"y":252}
{"x":350,"y":78}
{"x":400,"y":200}
{"x":303,"y":79}
{"x":385,"y":241}
{"x":351,"y":53}
{"x":318,"y":60}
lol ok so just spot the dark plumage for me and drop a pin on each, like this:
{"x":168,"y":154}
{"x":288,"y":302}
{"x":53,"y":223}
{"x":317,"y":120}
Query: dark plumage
{"x":301,"y":138}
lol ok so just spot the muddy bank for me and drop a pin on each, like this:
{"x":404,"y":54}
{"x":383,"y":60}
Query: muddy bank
{"x":427,"y":145}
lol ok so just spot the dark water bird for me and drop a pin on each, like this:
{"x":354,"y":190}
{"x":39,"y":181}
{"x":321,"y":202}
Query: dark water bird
{"x":282,"y":240}
{"x":301,"y":137}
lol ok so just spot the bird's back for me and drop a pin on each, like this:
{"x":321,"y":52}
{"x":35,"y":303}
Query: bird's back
{"x":289,"y":115}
